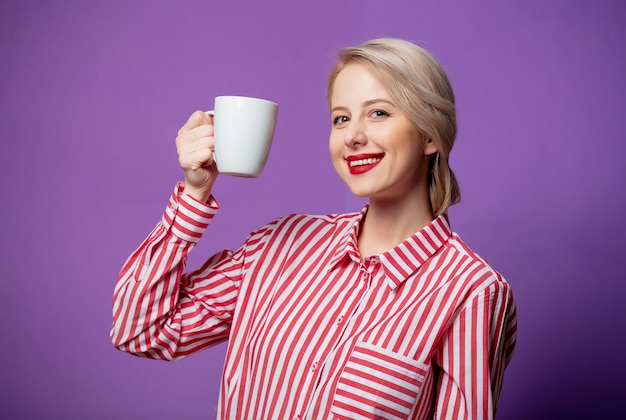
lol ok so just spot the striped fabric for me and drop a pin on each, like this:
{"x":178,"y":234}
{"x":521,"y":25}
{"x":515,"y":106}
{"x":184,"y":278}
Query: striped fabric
{"x":424,"y":330}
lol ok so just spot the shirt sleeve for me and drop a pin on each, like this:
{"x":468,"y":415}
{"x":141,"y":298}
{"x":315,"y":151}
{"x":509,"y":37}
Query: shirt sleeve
{"x":474,"y":353}
{"x":161,"y":313}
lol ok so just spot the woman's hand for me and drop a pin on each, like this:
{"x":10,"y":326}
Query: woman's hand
{"x":194,"y":145}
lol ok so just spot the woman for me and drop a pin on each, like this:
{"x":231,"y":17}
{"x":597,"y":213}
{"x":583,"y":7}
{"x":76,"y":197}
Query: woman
{"x":381,"y":314}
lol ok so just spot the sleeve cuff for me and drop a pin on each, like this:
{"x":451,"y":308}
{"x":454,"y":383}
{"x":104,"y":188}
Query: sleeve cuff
{"x":186,"y":217}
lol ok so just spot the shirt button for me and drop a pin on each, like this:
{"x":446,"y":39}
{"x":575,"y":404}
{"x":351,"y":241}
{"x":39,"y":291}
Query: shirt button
{"x":314,"y":367}
{"x":340,"y":320}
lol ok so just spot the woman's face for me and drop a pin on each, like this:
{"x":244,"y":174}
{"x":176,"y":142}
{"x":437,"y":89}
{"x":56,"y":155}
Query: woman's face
{"x":375,"y":148}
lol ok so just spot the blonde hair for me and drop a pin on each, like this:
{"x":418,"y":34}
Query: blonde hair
{"x":421,"y":89}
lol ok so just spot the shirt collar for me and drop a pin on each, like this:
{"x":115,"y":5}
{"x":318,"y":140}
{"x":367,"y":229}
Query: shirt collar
{"x":347,"y":245}
{"x":404,"y":259}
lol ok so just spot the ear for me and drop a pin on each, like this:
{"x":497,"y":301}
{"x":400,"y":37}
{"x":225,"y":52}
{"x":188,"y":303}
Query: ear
{"x":430,"y":148}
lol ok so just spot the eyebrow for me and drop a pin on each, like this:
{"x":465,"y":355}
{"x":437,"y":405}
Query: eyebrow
{"x":365,"y":104}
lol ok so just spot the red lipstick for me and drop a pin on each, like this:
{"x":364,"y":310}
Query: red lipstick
{"x":359,"y":164}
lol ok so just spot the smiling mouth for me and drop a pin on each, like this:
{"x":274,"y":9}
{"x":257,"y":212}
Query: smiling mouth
{"x":359,"y":164}
{"x":362,"y":162}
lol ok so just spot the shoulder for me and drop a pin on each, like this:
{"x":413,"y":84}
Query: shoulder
{"x":316,"y":220}
{"x":300,"y":225}
{"x":474,"y":270}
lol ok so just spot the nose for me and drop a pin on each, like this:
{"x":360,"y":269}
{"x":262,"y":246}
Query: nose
{"x":355,"y":134}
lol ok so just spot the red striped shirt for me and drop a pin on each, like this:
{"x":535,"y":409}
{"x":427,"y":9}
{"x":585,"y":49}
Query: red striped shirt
{"x":423,"y":330}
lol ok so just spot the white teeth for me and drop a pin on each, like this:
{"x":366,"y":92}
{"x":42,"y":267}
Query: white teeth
{"x":361,"y":162}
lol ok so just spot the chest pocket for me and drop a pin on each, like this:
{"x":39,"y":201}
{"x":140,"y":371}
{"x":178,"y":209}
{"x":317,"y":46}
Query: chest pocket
{"x":377,"y":384}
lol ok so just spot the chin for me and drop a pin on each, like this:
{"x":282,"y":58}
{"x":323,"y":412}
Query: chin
{"x":362,"y":189}
{"x":360,"y":195}
{"x":361,"y":192}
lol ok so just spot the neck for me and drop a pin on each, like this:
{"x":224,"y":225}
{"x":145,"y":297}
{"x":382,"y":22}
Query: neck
{"x":388,"y":223}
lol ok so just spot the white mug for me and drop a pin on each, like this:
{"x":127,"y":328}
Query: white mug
{"x":243,"y":133}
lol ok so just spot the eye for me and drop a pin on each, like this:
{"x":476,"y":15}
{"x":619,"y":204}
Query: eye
{"x":340,"y":120}
{"x":379,"y":114}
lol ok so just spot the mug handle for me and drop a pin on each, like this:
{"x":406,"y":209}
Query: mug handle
{"x":211,"y":113}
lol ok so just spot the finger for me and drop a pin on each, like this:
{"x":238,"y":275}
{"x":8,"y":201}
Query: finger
{"x":197,"y":159}
{"x":205,"y":130}
{"x":196,"y":119}
{"x":202,"y":159}
{"x":195,"y":134}
{"x":205,"y":143}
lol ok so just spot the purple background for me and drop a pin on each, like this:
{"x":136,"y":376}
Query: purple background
{"x":93,"y":92}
